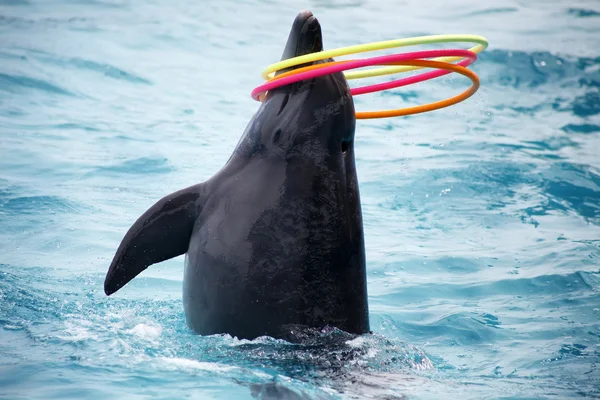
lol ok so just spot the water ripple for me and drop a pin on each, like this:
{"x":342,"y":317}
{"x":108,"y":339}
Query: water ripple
{"x":581,"y":128}
{"x":79,"y":64}
{"x":17,"y":83}
{"x":536,"y":69}
{"x":34,"y":205}
{"x":583,"y":13}
{"x":143,"y":165}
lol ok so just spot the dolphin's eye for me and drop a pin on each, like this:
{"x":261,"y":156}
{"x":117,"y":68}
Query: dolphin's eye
{"x":276,"y":135}
{"x":344,"y":146}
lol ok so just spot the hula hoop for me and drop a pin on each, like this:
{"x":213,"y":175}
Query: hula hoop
{"x":344,"y":65}
{"x":470,"y":59}
{"x":339,"y":66}
{"x":481,"y":44}
{"x":431,"y":106}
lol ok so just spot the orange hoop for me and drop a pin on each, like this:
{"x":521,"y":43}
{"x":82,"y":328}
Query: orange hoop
{"x":410,"y":110}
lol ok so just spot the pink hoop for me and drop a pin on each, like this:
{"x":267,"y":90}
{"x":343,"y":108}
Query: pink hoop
{"x":410,"y":80}
{"x":275,"y":83}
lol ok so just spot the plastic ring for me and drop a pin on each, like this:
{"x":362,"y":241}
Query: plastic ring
{"x":339,"y":66}
{"x":431,"y":106}
{"x":482,"y":44}
{"x":410,"y":110}
{"x":470,"y":59}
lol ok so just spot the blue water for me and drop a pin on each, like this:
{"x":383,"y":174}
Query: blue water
{"x":482,"y":221}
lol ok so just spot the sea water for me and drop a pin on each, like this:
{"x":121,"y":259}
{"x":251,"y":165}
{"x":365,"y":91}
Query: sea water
{"x":482,"y":220}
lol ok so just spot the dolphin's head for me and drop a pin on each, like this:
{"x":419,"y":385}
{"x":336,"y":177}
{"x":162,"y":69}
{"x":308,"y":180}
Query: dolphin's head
{"x":313,"y":118}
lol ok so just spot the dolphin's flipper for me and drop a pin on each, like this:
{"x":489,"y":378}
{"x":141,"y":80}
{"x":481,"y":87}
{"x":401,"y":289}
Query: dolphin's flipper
{"x":161,"y":233}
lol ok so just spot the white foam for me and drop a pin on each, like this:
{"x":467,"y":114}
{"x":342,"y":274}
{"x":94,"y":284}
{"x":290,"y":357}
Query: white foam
{"x":77,"y":331}
{"x":357,"y":342}
{"x":146,"y":331}
{"x":198,"y":365}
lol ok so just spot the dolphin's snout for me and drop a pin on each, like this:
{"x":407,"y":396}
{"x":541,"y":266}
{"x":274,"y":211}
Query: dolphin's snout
{"x":305,"y":36}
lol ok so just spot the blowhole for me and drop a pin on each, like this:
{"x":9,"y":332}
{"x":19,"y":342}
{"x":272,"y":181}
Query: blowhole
{"x":345,"y":145}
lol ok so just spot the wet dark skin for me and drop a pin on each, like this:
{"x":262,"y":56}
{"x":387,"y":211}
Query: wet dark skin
{"x":274,"y":240}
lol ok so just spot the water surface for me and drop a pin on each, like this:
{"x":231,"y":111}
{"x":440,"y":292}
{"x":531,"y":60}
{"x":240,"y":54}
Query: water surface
{"x":482,"y":221}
